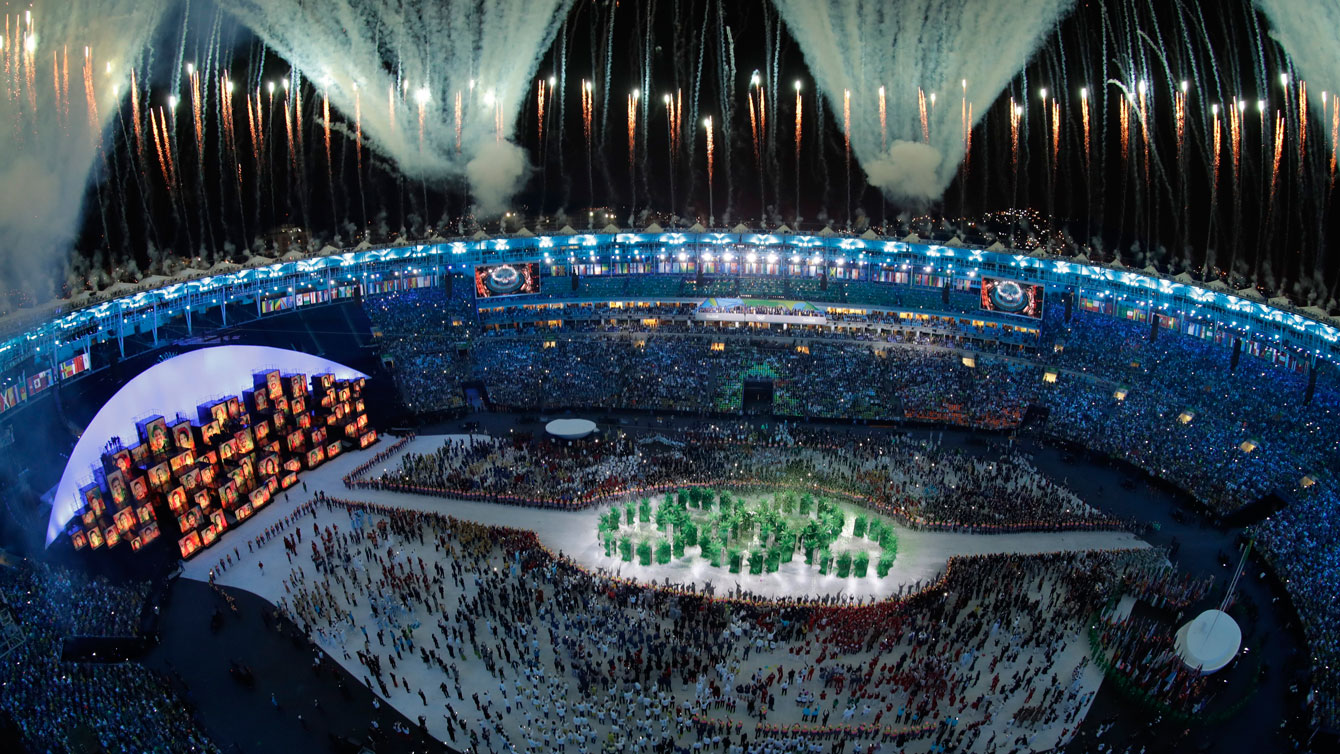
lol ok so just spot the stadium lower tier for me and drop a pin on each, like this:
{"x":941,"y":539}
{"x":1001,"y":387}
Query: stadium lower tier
{"x":1228,"y":430}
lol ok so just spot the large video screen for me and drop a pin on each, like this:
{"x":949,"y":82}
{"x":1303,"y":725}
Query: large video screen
{"x":1012,"y":297}
{"x":507,"y":279}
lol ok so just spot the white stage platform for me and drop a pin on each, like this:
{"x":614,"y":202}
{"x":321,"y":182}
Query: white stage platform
{"x":921,"y":557}
{"x":570,"y":429}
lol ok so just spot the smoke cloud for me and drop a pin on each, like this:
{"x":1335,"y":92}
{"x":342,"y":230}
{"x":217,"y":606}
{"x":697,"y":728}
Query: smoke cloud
{"x":861,"y":45}
{"x":494,"y":174}
{"x":52,"y":133}
{"x":401,"y":64}
{"x":1307,"y":31}
{"x":908,"y":172}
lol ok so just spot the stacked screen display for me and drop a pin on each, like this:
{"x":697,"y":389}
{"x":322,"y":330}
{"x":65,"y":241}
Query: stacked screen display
{"x":194,"y":479}
{"x":507,"y":279}
{"x":1012,"y":297}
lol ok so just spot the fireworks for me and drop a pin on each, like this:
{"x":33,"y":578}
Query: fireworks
{"x":1084,"y":112}
{"x":883,"y":122}
{"x":458,"y":122}
{"x":588,"y":109}
{"x":925,"y":121}
{"x":539,"y":119}
{"x":632,"y":127}
{"x":1016,"y":113}
{"x":89,"y":96}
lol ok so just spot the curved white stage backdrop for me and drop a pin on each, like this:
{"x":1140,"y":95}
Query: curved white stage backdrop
{"x":176,"y":385}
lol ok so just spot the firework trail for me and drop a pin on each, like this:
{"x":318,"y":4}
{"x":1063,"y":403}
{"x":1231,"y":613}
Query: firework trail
{"x":197,"y":118}
{"x":753,"y":128}
{"x":254,"y":129}
{"x":883,"y":122}
{"x":1218,"y":144}
{"x":458,"y":122}
{"x":1016,"y":113}
{"x":65,"y":77}
{"x":136,"y":119}
{"x":1179,"y":123}
{"x":1302,"y":126}
{"x":1088,"y":143}
{"x":163,"y":160}
{"x":1124,"y":118}
{"x":539,"y":122}
{"x":390,"y":105}
{"x":588,"y":106}
{"x":925,"y":121}
{"x":711,"y":168}
{"x":632,"y":129}
{"x":62,"y":107}
{"x":288,"y":134}
{"x":846,"y":123}
{"x":91,"y":98}
{"x":1278,"y":155}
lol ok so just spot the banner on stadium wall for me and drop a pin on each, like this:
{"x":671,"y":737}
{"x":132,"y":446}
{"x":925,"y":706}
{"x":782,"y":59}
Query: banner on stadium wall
{"x":1095,"y":305}
{"x":13,"y":395}
{"x":71,"y":367}
{"x":272,"y":305}
{"x":39,"y":382}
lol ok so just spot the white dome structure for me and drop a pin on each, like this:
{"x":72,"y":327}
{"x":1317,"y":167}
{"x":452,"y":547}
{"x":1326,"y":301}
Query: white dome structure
{"x":570,"y":429}
{"x":1209,"y":642}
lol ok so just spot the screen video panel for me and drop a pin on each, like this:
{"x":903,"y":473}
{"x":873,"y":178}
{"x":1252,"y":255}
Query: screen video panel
{"x":507,"y":279}
{"x":1012,"y":297}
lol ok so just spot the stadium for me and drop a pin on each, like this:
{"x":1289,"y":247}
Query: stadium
{"x":703,"y":474}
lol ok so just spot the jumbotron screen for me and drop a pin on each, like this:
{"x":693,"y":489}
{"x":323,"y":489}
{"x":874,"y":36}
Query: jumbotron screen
{"x":507,"y":279}
{"x":1012,"y":297}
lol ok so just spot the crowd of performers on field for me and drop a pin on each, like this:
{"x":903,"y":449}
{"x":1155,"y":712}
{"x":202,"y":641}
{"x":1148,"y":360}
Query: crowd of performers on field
{"x":500,"y":643}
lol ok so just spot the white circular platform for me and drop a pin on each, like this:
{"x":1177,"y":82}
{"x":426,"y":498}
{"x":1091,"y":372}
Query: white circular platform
{"x":1210,"y":641}
{"x":570,"y":429}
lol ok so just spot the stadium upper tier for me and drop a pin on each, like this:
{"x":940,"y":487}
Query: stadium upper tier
{"x":201,"y":300}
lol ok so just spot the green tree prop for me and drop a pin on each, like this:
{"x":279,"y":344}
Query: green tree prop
{"x":663,"y":552}
{"x":861,"y":564}
{"x":885,"y":563}
{"x":690,"y":531}
{"x":806,"y":504}
{"x":644,"y":553}
{"x":626,"y":549}
{"x":644,"y":510}
{"x":710,"y":550}
{"x":756,"y":562}
{"x":875,"y":530}
{"x":679,"y":547}
{"x":858,"y":528}
{"x":825,"y":562}
{"x":773,"y":561}
{"x":736,"y":558}
{"x":844,"y":565}
{"x":630,"y":513}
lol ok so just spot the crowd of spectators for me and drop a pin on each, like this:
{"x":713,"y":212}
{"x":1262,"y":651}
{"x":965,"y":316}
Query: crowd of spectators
{"x":61,"y":705}
{"x":1169,"y":404}
{"x":919,"y":481}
